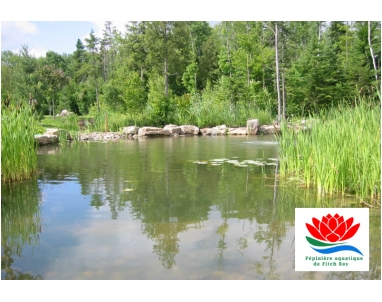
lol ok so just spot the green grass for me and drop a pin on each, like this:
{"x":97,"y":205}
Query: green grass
{"x":18,"y":147}
{"x":341,"y":154}
{"x":49,"y":122}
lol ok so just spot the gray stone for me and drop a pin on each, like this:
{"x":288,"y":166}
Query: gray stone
{"x":173,"y":129}
{"x":165,"y":132}
{"x":46,"y":139}
{"x":237,"y":131}
{"x":222,"y":129}
{"x":253,"y":126}
{"x":65,"y":113}
{"x":131,"y":130}
{"x":51,"y":131}
{"x":149,"y":131}
{"x":189,"y":129}
{"x":269,"y":129}
{"x":205,"y":131}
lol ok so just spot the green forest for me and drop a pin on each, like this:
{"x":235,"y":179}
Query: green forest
{"x":192,"y":73}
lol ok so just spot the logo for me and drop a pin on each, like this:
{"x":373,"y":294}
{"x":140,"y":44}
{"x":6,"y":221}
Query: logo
{"x":339,"y":241}
{"x":333,"y":229}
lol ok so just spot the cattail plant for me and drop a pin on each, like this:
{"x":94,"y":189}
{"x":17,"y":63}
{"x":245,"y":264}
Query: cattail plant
{"x":341,"y":153}
{"x":18,"y":147}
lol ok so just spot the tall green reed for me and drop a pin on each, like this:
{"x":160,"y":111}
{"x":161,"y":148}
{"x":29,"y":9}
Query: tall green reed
{"x":18,"y":147}
{"x":341,"y":153}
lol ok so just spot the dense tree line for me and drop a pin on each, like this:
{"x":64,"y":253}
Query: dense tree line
{"x":179,"y":71}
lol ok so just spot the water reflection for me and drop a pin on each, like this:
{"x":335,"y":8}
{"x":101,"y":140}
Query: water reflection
{"x":144,"y":210}
{"x":20,"y":225}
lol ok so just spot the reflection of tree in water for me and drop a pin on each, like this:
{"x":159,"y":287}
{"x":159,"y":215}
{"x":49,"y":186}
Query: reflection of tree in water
{"x":166,"y":242}
{"x":240,"y":198}
{"x":10,"y":273}
{"x":165,"y":211}
{"x":222,"y":245}
{"x":20,"y":223}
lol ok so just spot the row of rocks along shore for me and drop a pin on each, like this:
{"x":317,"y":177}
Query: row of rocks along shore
{"x":134,"y":132}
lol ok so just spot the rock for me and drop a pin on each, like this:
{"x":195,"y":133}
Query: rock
{"x":164,"y":132}
{"x":189,"y":129}
{"x":214,"y":131}
{"x":219,"y":130}
{"x":46,"y":139}
{"x":51,"y":131}
{"x":222,"y":129}
{"x":173,"y":129}
{"x":149,"y":131}
{"x":237,"y":131}
{"x":269,"y":129}
{"x":205,"y":131}
{"x":253,"y":126}
{"x":65,"y":113}
{"x":131,"y":130}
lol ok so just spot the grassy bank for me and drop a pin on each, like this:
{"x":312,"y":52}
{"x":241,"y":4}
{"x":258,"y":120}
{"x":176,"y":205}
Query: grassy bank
{"x":18,"y":150}
{"x":341,"y":154}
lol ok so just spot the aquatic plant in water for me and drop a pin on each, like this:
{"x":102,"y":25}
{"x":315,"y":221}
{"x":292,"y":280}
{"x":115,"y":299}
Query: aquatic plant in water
{"x":18,"y":148}
{"x":341,"y":153}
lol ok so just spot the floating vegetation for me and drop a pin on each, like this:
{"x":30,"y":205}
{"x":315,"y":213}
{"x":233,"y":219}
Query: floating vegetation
{"x":203,"y":162}
{"x":243,"y":164}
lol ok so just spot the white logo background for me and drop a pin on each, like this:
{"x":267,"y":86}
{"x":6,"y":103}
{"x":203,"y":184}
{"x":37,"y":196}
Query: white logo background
{"x":303,"y":249}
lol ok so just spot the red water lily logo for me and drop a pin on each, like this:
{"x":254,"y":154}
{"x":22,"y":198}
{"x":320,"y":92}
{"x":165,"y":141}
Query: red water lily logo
{"x":332,"y":228}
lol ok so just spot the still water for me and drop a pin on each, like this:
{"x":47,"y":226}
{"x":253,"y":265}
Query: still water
{"x":160,"y":208}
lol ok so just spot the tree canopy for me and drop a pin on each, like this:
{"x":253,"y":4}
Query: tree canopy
{"x":172,"y":69}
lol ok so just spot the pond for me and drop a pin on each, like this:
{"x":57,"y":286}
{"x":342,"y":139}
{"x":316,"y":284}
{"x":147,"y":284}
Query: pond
{"x":161,"y":208}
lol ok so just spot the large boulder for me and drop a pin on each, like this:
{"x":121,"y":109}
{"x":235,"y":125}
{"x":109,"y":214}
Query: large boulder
{"x":149,"y":131}
{"x":253,"y":126}
{"x":222,"y":129}
{"x":269,"y":129}
{"x":189,"y":129}
{"x":219,"y":130}
{"x":51,"y":131}
{"x":131,"y":130}
{"x":205,"y":131}
{"x":65,"y":113}
{"x":172,"y":129}
{"x":46,"y":139}
{"x":237,"y":131}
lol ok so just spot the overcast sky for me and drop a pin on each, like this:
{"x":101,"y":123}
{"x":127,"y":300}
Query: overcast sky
{"x":59,"y":34}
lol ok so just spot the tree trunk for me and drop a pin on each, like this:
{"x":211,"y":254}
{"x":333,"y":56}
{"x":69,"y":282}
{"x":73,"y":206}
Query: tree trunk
{"x":53,"y":106}
{"x":277,"y":73}
{"x":165,"y":64}
{"x":96,"y":89}
{"x":248,"y":55}
{"x":283,"y":74}
{"x":371,"y":49}
{"x":165,"y":78}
